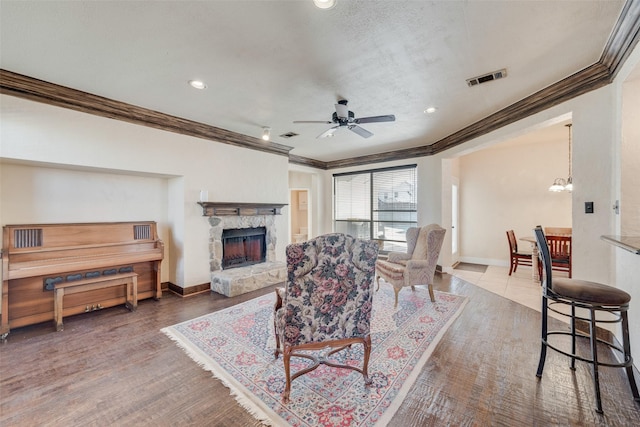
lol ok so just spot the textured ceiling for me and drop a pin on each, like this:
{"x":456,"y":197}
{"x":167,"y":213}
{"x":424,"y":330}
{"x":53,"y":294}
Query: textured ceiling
{"x":267,"y":63}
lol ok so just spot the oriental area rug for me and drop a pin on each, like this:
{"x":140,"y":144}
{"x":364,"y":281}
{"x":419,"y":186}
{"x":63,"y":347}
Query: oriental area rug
{"x":236,"y":344}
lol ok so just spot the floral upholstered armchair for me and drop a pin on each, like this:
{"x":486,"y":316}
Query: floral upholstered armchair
{"x":418,"y":265}
{"x":327,"y":301}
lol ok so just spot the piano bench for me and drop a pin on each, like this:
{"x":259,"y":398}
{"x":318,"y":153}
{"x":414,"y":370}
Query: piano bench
{"x":68,"y":288}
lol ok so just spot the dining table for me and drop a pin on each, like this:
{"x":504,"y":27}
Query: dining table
{"x":534,"y":257}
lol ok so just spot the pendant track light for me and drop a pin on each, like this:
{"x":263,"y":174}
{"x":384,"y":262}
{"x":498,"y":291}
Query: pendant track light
{"x":561,"y":184}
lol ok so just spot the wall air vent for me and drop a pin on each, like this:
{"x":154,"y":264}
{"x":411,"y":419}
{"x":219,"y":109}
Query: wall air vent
{"x":474,"y":81}
{"x":288,"y":135}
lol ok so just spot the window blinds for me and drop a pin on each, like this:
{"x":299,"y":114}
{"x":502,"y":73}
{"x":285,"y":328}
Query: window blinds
{"x":377,"y":204}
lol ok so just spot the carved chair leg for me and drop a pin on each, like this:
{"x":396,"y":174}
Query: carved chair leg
{"x":276,"y":352}
{"x":396,"y":291}
{"x":286,"y":356}
{"x":378,"y":282}
{"x":277,"y":305}
{"x":431,"y":295}
{"x":365,"y":364}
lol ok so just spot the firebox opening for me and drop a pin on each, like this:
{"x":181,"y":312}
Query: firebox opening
{"x":243,"y":246}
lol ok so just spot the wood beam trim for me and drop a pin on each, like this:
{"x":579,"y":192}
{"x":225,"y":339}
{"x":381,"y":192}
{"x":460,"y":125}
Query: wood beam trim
{"x":305,"y":161}
{"x":590,"y":78}
{"x":579,"y":83}
{"x":21,"y":86}
{"x":593,"y":77}
{"x":623,"y":39}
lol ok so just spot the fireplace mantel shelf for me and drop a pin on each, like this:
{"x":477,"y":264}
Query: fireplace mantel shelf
{"x":240,"y":209}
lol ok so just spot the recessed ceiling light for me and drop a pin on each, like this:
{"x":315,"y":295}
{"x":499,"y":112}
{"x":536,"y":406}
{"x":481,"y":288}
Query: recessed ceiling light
{"x":198,"y":84}
{"x":324,"y":4}
{"x":430,"y":110}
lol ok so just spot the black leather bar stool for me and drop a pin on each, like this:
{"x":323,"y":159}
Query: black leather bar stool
{"x":591,"y":296}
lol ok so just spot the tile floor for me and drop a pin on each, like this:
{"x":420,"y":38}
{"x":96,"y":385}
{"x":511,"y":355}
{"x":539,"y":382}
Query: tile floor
{"x":518,"y":287}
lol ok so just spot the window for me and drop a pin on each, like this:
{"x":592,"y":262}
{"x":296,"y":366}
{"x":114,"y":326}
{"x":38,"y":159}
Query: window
{"x":377,"y":204}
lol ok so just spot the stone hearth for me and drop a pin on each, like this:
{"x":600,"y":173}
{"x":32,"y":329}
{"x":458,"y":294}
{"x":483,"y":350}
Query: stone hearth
{"x":237,"y":281}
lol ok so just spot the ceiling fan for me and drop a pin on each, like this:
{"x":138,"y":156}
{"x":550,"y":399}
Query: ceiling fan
{"x":345,"y":118}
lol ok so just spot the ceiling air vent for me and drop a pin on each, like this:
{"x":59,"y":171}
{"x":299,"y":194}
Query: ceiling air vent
{"x":288,"y":135}
{"x":474,"y":81}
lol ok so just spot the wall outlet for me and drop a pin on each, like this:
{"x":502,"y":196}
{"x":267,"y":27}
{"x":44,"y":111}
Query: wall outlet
{"x":588,"y":207}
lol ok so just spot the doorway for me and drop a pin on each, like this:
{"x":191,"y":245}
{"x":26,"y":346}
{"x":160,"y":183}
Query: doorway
{"x":300,"y":218}
{"x":455,"y":208}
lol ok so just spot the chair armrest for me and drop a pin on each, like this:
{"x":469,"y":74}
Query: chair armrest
{"x":418,"y":272}
{"x":280,"y":292}
{"x":418,"y":264}
{"x":398,"y":256}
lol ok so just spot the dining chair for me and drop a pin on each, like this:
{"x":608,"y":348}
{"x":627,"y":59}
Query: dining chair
{"x":590,"y":302}
{"x":516,"y":258}
{"x":560,"y":252}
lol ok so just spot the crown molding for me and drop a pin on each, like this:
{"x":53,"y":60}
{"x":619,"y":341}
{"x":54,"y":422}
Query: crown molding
{"x":624,"y":38}
{"x":305,"y":161}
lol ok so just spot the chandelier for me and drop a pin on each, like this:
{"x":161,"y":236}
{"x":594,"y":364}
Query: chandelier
{"x":561,"y":184}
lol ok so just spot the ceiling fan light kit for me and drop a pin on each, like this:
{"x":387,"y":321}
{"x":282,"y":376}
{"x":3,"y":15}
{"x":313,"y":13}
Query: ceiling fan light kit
{"x":342,"y":117}
{"x":266,"y":133}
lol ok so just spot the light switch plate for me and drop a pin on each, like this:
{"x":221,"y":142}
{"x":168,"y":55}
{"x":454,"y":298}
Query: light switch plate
{"x":588,"y":207}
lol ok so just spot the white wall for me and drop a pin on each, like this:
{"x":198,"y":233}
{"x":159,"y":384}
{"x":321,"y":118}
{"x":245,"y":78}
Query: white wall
{"x":450,"y":171}
{"x":630,"y":155}
{"x":593,"y":117}
{"x":627,"y":265}
{"x":506,"y":187}
{"x":37,"y":194}
{"x":33,"y":132}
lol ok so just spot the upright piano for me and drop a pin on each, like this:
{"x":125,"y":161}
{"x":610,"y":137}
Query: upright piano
{"x":38,"y":259}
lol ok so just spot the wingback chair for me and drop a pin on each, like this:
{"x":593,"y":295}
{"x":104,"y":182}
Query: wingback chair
{"x":418,"y":265}
{"x":327,"y":302}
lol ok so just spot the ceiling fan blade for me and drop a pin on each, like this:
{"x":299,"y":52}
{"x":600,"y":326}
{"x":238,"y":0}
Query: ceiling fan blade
{"x":342,"y":111}
{"x":324,"y":122}
{"x":328,"y":133}
{"x":360,"y":131}
{"x":374,"y":119}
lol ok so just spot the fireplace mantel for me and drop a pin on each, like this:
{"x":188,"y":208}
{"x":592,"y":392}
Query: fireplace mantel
{"x":240,"y":209}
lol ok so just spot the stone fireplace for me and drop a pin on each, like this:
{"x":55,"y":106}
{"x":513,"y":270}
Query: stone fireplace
{"x":248,"y":233}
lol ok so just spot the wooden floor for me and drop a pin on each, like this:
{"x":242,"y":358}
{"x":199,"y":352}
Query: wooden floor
{"x":114,"y":367}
